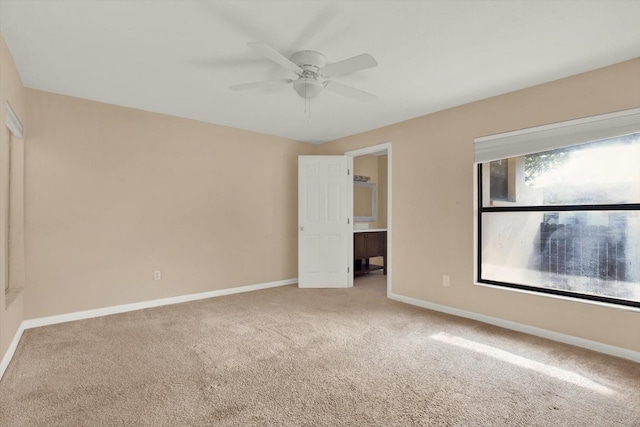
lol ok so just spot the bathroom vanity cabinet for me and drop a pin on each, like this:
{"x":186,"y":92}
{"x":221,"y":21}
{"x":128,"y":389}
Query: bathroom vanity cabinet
{"x":369,"y":244}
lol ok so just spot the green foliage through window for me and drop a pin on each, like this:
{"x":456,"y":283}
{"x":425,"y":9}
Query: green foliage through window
{"x":540,"y":163}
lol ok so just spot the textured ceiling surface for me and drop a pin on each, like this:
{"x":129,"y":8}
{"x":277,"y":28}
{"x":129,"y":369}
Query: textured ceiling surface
{"x":180,"y":57}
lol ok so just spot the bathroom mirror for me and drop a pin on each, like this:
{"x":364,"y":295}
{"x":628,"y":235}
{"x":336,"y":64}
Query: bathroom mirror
{"x":365,"y":202}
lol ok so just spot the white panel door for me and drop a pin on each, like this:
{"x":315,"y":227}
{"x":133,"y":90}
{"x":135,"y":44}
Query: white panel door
{"x":325,"y":231}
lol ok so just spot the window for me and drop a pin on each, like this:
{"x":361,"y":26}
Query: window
{"x":567,"y":221}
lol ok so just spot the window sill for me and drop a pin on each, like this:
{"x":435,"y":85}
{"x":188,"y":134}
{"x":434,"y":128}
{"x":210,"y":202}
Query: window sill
{"x":561,"y":297}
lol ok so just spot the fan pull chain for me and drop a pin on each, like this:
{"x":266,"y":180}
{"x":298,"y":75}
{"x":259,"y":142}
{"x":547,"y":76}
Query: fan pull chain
{"x":307,"y":104}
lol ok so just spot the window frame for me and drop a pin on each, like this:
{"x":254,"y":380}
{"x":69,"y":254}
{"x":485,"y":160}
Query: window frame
{"x":538,"y":139}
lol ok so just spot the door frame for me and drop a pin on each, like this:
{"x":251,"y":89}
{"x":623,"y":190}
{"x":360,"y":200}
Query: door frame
{"x":375,"y":149}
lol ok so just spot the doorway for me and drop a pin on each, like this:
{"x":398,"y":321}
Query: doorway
{"x":380,"y":200}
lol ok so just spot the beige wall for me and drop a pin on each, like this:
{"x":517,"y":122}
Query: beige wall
{"x":433,"y":200}
{"x":113,"y":194}
{"x":11,"y":202}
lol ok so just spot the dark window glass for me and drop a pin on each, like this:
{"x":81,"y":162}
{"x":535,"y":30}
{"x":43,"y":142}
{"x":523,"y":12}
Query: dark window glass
{"x":499,"y":180}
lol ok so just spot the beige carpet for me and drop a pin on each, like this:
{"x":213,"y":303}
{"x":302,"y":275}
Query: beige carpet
{"x":291,"y":357}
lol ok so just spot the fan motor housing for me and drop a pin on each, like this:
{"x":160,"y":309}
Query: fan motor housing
{"x":309,"y":60}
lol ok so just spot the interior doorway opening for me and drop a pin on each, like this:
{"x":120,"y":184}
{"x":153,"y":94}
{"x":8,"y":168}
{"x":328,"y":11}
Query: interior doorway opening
{"x":371,"y":257}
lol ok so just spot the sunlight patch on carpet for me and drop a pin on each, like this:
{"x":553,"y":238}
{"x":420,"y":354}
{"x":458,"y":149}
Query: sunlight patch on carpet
{"x":523,"y":362}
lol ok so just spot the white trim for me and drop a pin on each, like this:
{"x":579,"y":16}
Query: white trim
{"x":8,"y":355}
{"x":377,"y":150}
{"x":556,"y":135}
{"x":13,"y":123}
{"x":531,"y":330}
{"x":106,"y":311}
{"x":374,"y":149}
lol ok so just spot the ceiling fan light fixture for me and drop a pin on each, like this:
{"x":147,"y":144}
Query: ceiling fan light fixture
{"x":307,"y":88}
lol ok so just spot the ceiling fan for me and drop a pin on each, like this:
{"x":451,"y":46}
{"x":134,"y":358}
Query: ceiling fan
{"x":313,"y":73}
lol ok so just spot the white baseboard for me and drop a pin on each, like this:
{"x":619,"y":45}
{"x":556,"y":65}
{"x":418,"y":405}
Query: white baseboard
{"x":106,"y":311}
{"x":531,"y":330}
{"x":8,"y":355}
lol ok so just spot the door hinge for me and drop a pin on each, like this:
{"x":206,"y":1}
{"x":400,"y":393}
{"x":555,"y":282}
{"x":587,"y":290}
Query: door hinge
{"x":348,"y":172}
{"x":348,"y":220}
{"x":348,"y":270}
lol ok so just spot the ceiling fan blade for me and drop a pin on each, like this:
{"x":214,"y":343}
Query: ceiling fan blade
{"x":259,"y":84}
{"x":223,"y":62}
{"x":350,"y":92}
{"x":351,"y":65}
{"x":275,"y":56}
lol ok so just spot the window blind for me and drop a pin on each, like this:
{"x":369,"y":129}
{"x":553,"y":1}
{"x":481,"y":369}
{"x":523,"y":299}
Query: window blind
{"x":556,"y":135}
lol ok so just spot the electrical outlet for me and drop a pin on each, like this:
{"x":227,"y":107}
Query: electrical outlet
{"x":445,"y":280}
{"x":157,"y":275}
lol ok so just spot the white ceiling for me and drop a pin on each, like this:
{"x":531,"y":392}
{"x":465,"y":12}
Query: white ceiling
{"x":179,"y":57}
